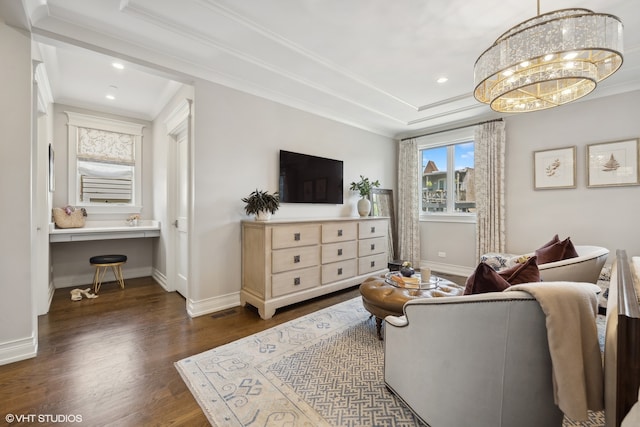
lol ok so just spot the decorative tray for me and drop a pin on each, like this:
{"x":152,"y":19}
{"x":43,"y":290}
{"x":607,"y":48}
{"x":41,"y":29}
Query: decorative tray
{"x":394,"y":278}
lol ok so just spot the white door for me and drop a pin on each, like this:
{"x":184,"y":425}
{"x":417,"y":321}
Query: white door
{"x":178,"y":185}
{"x":181,"y":210}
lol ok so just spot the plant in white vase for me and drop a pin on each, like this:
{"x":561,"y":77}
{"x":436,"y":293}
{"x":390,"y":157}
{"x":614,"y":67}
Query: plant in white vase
{"x":261,"y":204}
{"x":364,"y":187}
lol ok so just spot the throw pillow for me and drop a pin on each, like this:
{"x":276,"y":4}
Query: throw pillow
{"x":526,"y":272}
{"x":554,"y":240}
{"x":556,"y":252}
{"x":484,"y":279}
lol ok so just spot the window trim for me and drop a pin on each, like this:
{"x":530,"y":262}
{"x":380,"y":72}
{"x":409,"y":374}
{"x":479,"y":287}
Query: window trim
{"x":76,"y":120}
{"x":445,"y":139}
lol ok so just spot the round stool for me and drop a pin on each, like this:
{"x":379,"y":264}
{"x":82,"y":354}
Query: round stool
{"x":102,"y":263}
{"x":382,"y":299}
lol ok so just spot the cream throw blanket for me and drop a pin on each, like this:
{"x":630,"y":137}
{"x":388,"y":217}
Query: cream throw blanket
{"x":570,"y":310}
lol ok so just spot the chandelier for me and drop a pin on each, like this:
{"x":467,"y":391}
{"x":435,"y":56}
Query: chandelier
{"x":549,"y":60}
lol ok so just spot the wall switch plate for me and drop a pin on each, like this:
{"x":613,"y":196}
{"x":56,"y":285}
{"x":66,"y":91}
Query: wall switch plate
{"x":442,"y":254}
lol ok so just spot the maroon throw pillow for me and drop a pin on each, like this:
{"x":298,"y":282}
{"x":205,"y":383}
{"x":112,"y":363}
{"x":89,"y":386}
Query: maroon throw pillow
{"x":484,"y":279}
{"x":526,"y":272}
{"x":556,"y":252}
{"x":554,"y":240}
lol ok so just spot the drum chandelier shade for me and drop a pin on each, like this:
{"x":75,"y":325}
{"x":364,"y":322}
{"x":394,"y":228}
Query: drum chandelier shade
{"x":549,"y":60}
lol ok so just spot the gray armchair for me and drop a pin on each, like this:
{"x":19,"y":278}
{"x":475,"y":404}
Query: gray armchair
{"x":480,"y":360}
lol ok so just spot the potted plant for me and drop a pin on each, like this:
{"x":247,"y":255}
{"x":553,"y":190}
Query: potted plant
{"x":261,"y":204}
{"x":364,"y":187}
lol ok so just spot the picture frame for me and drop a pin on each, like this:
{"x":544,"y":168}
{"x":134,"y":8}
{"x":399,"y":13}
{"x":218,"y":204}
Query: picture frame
{"x":554,"y":168}
{"x":611,"y":164}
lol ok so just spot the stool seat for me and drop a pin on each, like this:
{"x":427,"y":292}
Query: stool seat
{"x":102,"y":263}
{"x":107,"y":259}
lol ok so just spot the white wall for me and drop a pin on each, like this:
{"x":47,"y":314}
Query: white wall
{"x":237,"y":142}
{"x":18,"y":323}
{"x":597,"y":216}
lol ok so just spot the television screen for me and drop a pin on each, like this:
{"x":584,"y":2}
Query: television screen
{"x":310,"y":179}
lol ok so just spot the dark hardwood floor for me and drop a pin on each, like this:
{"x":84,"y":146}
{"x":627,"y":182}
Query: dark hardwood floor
{"x":110,"y":359}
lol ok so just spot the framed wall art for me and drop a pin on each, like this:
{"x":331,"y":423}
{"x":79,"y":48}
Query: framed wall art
{"x":554,"y":168}
{"x":613,"y":163}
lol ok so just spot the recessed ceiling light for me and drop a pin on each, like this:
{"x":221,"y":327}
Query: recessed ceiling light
{"x":442,"y":80}
{"x":118,"y":65}
{"x":110,"y":97}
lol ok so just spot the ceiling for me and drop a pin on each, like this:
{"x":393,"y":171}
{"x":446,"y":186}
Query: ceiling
{"x":373,"y":64}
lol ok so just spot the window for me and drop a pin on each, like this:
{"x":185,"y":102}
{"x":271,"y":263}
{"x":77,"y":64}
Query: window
{"x":104,"y":164}
{"x":447,"y":181}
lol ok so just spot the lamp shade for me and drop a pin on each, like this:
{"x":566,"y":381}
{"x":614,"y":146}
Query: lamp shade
{"x":549,"y":60}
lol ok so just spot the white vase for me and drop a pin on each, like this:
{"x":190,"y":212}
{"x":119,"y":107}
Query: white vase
{"x":263,"y":216}
{"x":364,"y":207}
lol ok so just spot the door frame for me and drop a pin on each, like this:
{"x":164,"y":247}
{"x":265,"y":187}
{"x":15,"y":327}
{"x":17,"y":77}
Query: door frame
{"x":178,"y":124}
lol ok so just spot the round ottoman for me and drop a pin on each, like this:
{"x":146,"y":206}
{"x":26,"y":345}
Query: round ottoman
{"x":382,"y":299}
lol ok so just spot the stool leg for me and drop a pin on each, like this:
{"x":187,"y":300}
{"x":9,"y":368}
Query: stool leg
{"x":98,"y":279}
{"x":117,"y":271}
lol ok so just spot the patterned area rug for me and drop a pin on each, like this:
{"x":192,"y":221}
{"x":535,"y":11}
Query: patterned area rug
{"x":323,"y":369}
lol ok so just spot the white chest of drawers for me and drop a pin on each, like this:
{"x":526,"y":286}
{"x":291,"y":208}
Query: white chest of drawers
{"x":284,"y":262}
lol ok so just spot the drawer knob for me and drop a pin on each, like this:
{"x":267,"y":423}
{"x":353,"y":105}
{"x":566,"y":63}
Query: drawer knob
{"x":373,"y":229}
{"x":373,"y":247}
{"x":296,"y":237}
{"x":296,"y":281}
{"x":340,"y":252}
{"x":373,"y":263}
{"x":296,"y":258}
{"x":340,"y":272}
{"x":339,"y":232}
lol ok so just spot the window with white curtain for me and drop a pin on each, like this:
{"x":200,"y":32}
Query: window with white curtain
{"x":447,"y":178}
{"x":104,"y":164}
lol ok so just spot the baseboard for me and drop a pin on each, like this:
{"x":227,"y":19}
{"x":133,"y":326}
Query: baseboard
{"x":87,"y":279}
{"x":159,"y":277}
{"x":457,"y":270}
{"x":17,"y":350}
{"x":211,"y":305}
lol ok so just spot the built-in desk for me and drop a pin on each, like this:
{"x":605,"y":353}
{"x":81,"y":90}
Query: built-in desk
{"x":105,"y":230}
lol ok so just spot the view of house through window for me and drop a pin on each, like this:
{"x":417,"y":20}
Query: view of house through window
{"x":447,"y":183}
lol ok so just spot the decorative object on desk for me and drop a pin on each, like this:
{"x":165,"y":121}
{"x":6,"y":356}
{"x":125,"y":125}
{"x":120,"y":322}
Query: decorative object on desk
{"x":406,"y":269}
{"x":133,"y":220}
{"x":555,"y":168}
{"x":613,"y":163}
{"x":364,"y":187}
{"x":261,"y":204}
{"x":69,"y":217}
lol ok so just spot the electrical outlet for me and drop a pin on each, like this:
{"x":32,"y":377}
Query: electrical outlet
{"x":442,"y":254}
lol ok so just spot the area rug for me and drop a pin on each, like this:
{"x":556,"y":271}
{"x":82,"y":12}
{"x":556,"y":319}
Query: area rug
{"x":323,"y":369}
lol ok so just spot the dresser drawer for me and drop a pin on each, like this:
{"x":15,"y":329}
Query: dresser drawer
{"x":294,"y":281}
{"x":289,"y":236}
{"x":372,"y":263}
{"x":338,"y":251}
{"x":338,"y":271}
{"x":339,"y":232}
{"x":374,"y":228}
{"x":372,"y":246}
{"x":295,"y":258}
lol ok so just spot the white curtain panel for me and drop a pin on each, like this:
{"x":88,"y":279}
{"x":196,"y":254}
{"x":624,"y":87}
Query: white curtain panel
{"x":409,"y":202}
{"x":489,"y":165}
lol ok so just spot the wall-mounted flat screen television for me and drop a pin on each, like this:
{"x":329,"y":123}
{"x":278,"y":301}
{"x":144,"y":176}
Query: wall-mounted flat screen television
{"x":310,"y":179}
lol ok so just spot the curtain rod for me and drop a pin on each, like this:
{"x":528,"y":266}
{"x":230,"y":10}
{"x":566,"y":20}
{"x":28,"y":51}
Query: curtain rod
{"x":448,"y":130}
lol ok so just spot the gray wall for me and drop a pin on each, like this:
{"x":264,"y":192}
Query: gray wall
{"x":18,"y":323}
{"x":596,"y":216}
{"x":592,"y":216}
